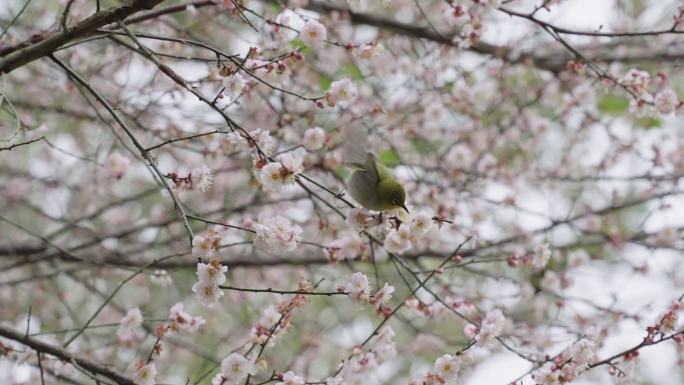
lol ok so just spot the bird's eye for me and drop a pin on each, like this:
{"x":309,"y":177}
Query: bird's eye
{"x":394,"y":201}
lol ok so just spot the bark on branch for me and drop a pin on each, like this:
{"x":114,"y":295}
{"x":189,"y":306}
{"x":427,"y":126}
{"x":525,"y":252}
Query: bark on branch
{"x":65,"y":355}
{"x":40,"y":47}
{"x":553,"y":63}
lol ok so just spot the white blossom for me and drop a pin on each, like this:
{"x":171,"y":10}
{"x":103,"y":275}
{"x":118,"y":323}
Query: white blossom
{"x":359,"y":218}
{"x":491,"y":326}
{"x":233,"y":141}
{"x":447,"y":367}
{"x":277,"y":235}
{"x":313,"y":34}
{"x":421,"y":223}
{"x":546,"y":376}
{"x":666,"y":101}
{"x":204,"y":246}
{"x":399,"y":240}
{"x":116,"y":165}
{"x":264,"y":140}
{"x":314,"y":138}
{"x":358,"y":287}
{"x":383,"y":296}
{"x":161,"y":278}
{"x":145,"y":374}
{"x":236,"y":367}
{"x":234,"y":85}
{"x":342,"y":92}
{"x":541,"y":256}
{"x":202,"y":178}
{"x":207,"y":294}
{"x":181,"y":320}
{"x":212,"y":273}
{"x":133,"y":319}
{"x":289,"y":378}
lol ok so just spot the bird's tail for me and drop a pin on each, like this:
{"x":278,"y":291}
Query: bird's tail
{"x":354,"y":146}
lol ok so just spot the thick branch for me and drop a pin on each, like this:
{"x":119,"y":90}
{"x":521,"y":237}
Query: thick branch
{"x":48,"y":45}
{"x":64,"y":355}
{"x":554,"y":63}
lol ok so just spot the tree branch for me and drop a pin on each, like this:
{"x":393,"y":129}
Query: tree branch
{"x":39,"y":47}
{"x":64,"y":355}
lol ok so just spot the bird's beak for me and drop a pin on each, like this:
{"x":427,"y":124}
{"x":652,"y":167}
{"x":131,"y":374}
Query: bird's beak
{"x":403,"y":206}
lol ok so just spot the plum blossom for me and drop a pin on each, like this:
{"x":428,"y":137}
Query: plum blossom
{"x":447,"y":367}
{"x":346,"y":247}
{"x":208,"y":294}
{"x":313,"y":34}
{"x":130,"y":327}
{"x":202,"y":178}
{"x":382,"y":296}
{"x":578,"y":258}
{"x":359,"y":218}
{"x":457,"y":14}
{"x":204,"y":246}
{"x":399,"y":240}
{"x":145,"y":374}
{"x":234,"y":85}
{"x":668,"y":321}
{"x":261,"y":332}
{"x":264,"y":140}
{"x":358,"y":287}
{"x":181,"y":320}
{"x":380,"y":349}
{"x":210,"y":276}
{"x":211,"y":273}
{"x":234,"y":369}
{"x":116,"y":165}
{"x":666,"y":101}
{"x":541,"y":256}
{"x":314,"y":138}
{"x":341,"y":92}
{"x":161,"y":278}
{"x":583,"y":353}
{"x":636,"y":79}
{"x":277,"y":235}
{"x":371,"y":51}
{"x":546,"y":376}
{"x":641,"y":106}
{"x":491,"y":327}
{"x":275,"y":175}
{"x":421,"y":223}
{"x":133,"y":319}
{"x":233,"y":141}
{"x":289,"y":378}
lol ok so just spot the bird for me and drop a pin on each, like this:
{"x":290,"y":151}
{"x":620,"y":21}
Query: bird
{"x":370,"y":183}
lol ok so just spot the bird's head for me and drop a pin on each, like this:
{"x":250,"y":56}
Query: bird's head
{"x":393,"y":195}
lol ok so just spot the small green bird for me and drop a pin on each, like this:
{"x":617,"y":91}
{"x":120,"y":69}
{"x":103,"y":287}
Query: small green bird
{"x":371,"y":184}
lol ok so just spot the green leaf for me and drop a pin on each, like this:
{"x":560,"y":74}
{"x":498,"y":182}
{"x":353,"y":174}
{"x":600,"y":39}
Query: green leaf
{"x":648,"y":122}
{"x":297,"y":43}
{"x":353,"y":70}
{"x":423,"y":146}
{"x":324,"y":83}
{"x":389,"y":158}
{"x":613,"y":104}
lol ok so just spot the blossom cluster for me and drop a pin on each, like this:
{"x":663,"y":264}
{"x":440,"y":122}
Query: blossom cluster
{"x":234,"y":369}
{"x":568,"y":364}
{"x":641,"y":84}
{"x":359,"y":290}
{"x":400,"y":231}
{"x":379,"y":349}
{"x":277,"y":235}
{"x":210,"y":276}
{"x":445,"y":371}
